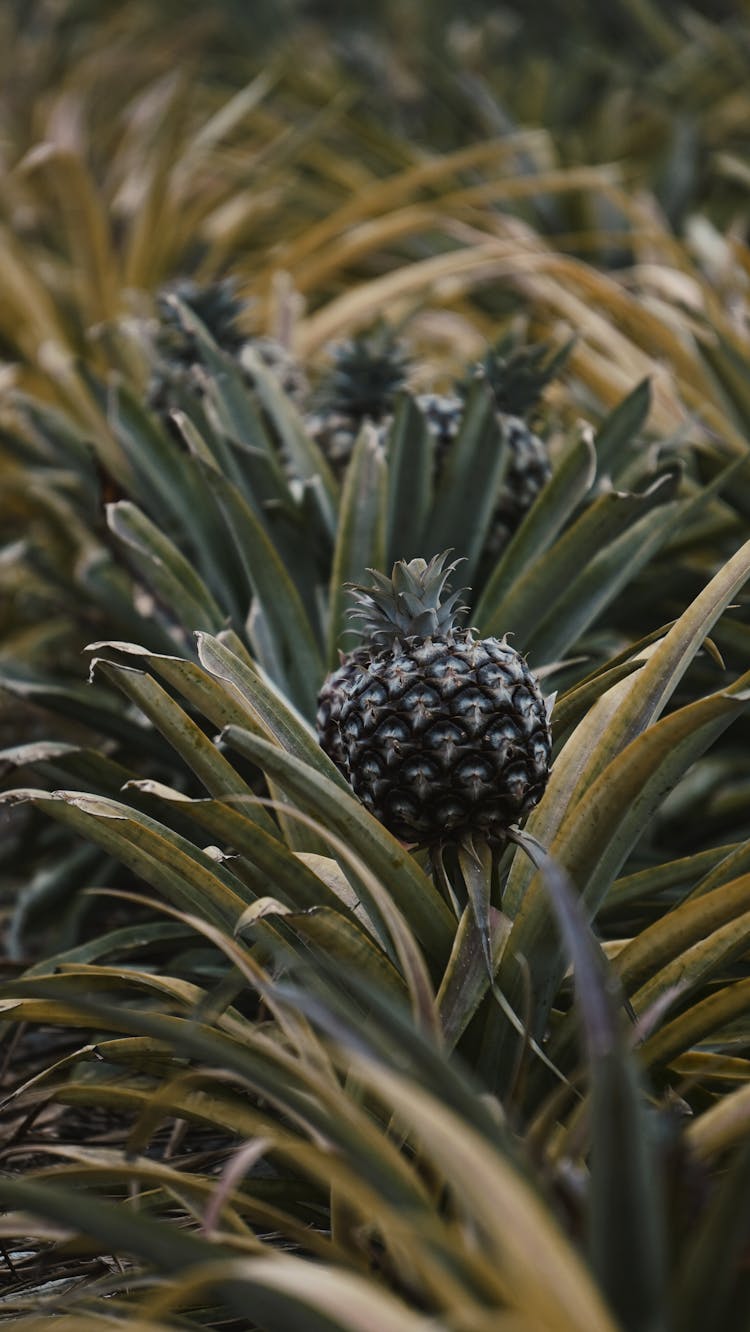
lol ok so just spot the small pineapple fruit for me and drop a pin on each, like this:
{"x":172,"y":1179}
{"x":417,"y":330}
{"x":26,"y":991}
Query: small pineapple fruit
{"x":217,"y":306}
{"x":441,"y":735}
{"x":220,"y":309}
{"x":368,"y":372}
{"x":515,"y":378}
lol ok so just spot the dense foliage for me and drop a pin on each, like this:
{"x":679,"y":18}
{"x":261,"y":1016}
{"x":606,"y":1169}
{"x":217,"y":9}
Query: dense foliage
{"x":266,"y":323}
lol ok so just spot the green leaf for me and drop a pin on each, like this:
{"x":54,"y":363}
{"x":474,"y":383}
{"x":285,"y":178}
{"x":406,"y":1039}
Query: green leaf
{"x":125,"y":1230}
{"x":409,"y":476}
{"x":284,"y":615}
{"x":235,"y":824}
{"x":625,"y":1216}
{"x":235,"y":410}
{"x":711,"y":1289}
{"x":533,"y":597}
{"x":573,"y":705}
{"x":360,"y":542}
{"x":606,"y":573}
{"x":476,"y":868}
{"x":185,"y":874}
{"x":343,"y":942}
{"x":270,"y":712}
{"x":307,"y":460}
{"x":92,"y":706}
{"x":469,"y":484}
{"x":169,"y":485}
{"x":557,"y":500}
{"x":615,"y":436}
{"x":696,"y":921}
{"x":696,"y":1024}
{"x":595,"y":837}
{"x":624,"y":711}
{"x":189,"y":741}
{"x":62,"y":764}
{"x":466,"y":980}
{"x":165,"y":569}
{"x":421,"y":905}
{"x":685,"y":872}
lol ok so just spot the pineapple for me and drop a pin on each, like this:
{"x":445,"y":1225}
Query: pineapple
{"x":367,"y":374}
{"x":515,"y":378}
{"x":441,"y":735}
{"x":443,"y":413}
{"x":219,"y":309}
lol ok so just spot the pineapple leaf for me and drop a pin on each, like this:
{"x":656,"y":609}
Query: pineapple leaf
{"x":360,"y":541}
{"x":306,"y":458}
{"x":424,"y":910}
{"x":409,"y":476}
{"x":285,"y":618}
{"x":696,"y":1024}
{"x":271,"y":712}
{"x":165,"y":568}
{"x":598,"y":831}
{"x":466,"y":980}
{"x":707,"y":1275}
{"x":557,"y":500}
{"x":688,"y":924}
{"x":626,"y":1220}
{"x":617,"y":432}
{"x":466,"y":494}
{"x":182,"y":733}
{"x":608,"y":571}
{"x":184,"y":873}
{"x":526,"y":602}
{"x":264,"y":862}
{"x":625,"y":710}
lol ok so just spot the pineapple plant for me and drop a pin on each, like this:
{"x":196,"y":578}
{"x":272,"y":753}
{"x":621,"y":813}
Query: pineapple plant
{"x":368,"y":372}
{"x":178,"y":353}
{"x":441,"y":734}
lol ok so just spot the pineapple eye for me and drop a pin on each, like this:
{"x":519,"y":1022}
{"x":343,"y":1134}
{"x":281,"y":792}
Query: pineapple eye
{"x":496,"y":673}
{"x":371,"y":768}
{"x":422,"y":775}
{"x":476,"y":777}
{"x":451,"y":813}
{"x":444,"y":736}
{"x":421,"y":703}
{"x":403,"y":812}
{"x":472,"y":706}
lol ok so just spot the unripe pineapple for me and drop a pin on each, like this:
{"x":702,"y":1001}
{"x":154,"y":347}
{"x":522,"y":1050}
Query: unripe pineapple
{"x":368,"y":372}
{"x":515,"y":378}
{"x":440,"y":734}
{"x":178,"y":353}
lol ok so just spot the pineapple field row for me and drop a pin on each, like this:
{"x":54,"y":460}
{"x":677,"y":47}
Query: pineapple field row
{"x":375,"y":667}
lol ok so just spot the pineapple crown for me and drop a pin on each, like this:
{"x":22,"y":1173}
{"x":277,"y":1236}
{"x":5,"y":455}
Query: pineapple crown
{"x":516,"y":375}
{"x":217,"y":306}
{"x":410,"y":603}
{"x":367,"y":373}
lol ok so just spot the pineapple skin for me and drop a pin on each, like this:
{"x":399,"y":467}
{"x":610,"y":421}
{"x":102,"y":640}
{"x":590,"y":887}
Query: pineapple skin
{"x":440,"y":738}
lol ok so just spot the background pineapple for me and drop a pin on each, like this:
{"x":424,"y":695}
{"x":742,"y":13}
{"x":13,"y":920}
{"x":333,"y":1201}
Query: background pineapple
{"x":440,"y":734}
{"x":175,"y":381}
{"x":368,"y":372}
